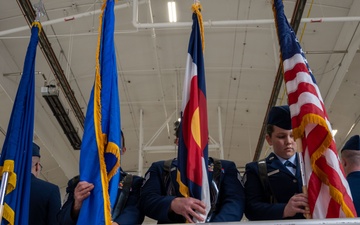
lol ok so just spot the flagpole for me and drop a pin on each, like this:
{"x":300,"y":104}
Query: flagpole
{"x":4,"y":182}
{"x":302,"y":169}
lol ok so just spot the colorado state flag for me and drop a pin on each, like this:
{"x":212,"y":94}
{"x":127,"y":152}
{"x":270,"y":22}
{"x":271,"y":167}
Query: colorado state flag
{"x":193,"y":135}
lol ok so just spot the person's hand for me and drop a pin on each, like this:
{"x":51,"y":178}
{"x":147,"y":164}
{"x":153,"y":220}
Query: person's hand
{"x":297,"y":204}
{"x":81,"y":192}
{"x":114,"y":223}
{"x":189,"y":208}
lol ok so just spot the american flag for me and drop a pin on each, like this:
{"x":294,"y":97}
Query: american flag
{"x":329,"y":194}
{"x":193,"y":135}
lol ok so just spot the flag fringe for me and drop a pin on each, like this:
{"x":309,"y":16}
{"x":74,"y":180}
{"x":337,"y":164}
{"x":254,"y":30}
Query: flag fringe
{"x":114,"y":149}
{"x":196,"y":8}
{"x":183,"y":189}
{"x":38,"y":25}
{"x":299,"y":133}
{"x":9,"y":166}
{"x":9,"y":214}
{"x":100,"y":137}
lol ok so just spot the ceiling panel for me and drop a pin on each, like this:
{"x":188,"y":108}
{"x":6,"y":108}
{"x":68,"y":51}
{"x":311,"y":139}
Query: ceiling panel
{"x":241,"y":62}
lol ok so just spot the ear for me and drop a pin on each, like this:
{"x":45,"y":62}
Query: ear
{"x":268,"y":139}
{"x":123,"y":150}
{"x":343,"y":161}
{"x":37,"y":167}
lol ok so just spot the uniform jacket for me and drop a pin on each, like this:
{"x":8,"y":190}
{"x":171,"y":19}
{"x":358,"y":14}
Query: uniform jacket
{"x":354,"y":183}
{"x":45,"y":202}
{"x":129,"y":215}
{"x":155,"y":202}
{"x":282,"y":183}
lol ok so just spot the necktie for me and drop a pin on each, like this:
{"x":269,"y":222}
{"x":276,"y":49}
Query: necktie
{"x":290,"y":164}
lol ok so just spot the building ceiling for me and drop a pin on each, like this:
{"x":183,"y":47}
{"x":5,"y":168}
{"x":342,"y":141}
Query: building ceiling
{"x":241,"y":62}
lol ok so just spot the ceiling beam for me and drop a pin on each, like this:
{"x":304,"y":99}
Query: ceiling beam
{"x":295,"y":22}
{"x":48,"y":52}
{"x":348,"y":39}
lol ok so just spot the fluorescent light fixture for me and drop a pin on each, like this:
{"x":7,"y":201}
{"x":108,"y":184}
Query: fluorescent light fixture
{"x":334,"y":132}
{"x":51,"y":96}
{"x":172,"y":12}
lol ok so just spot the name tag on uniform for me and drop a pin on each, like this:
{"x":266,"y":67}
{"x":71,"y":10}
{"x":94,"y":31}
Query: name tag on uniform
{"x":273,"y":172}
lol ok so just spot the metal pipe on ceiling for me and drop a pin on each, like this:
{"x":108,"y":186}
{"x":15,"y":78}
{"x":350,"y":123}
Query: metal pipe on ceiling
{"x":66,"y":19}
{"x":208,"y":23}
{"x":211,"y":23}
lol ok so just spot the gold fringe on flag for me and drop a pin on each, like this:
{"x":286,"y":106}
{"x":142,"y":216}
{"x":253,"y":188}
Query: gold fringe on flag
{"x":299,"y":133}
{"x":196,"y":8}
{"x":37,"y":24}
{"x":101,"y":138}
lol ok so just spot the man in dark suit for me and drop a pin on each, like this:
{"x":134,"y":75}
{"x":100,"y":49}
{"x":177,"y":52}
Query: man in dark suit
{"x":350,"y":159}
{"x":161,"y":200}
{"x":45,"y":199}
{"x":125,"y":211}
{"x":272,"y":185}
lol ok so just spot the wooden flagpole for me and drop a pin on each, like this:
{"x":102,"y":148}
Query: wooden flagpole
{"x":302,"y":169}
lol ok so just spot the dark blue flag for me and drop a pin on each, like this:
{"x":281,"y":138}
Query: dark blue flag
{"x":16,"y":153}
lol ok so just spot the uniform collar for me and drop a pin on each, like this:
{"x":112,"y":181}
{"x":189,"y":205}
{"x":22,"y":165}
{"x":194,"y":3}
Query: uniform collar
{"x":292,"y":159}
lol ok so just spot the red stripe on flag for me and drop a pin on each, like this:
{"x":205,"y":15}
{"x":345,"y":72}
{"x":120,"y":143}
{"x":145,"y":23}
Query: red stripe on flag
{"x":291,"y":74}
{"x":333,"y":209}
{"x":302,"y":88}
{"x":305,"y":109}
{"x":197,"y":101}
{"x":313,"y":190}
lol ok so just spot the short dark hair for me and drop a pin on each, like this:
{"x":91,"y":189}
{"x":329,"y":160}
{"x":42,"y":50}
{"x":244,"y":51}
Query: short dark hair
{"x":176,"y":128}
{"x":269,"y":129}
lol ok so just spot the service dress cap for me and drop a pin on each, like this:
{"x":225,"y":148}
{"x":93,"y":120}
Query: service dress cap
{"x":352,"y":144}
{"x":280,"y":117}
{"x":35,"y":150}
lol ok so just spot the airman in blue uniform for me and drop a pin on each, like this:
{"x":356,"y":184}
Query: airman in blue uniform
{"x":124,"y":212}
{"x":350,"y":159}
{"x":159,"y":196}
{"x":272,"y":186}
{"x":45,"y":201}
{"x":128,"y":215}
{"x":161,"y":200}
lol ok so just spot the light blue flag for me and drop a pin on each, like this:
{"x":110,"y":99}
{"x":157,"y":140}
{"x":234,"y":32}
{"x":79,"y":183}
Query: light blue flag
{"x":16,"y":153}
{"x":100,"y":149}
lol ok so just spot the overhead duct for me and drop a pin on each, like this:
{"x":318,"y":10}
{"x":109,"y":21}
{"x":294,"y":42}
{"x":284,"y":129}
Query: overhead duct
{"x":28,"y":11}
{"x":51,"y":96}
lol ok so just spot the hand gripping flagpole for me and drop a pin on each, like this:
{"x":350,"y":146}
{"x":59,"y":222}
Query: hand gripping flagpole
{"x":302,"y":174}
